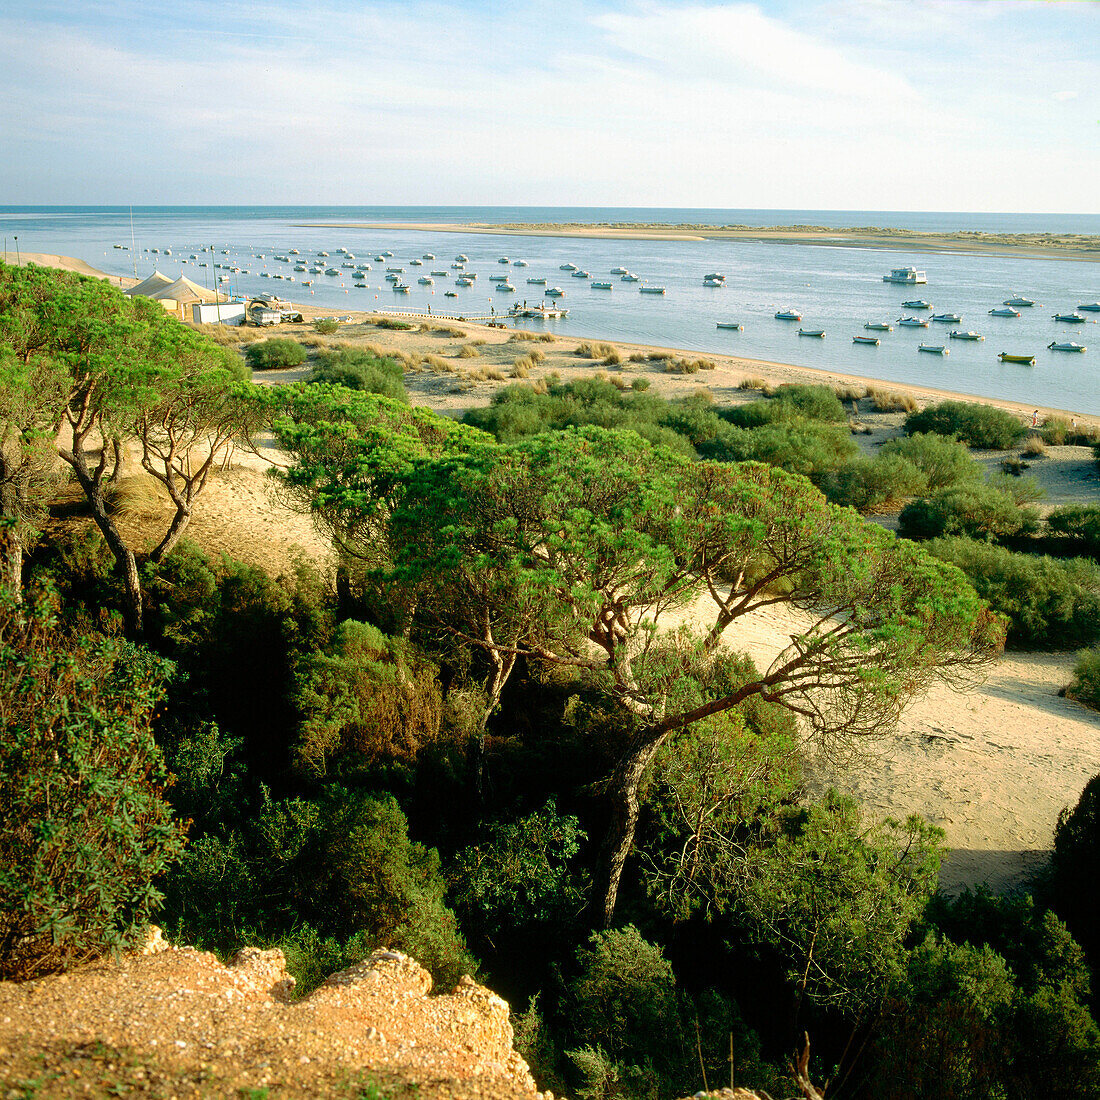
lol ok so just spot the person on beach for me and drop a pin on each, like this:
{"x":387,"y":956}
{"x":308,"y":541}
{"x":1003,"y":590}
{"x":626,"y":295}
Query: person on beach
{"x":1035,"y":418}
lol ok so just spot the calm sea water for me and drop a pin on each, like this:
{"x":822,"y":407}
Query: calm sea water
{"x":837,"y":289}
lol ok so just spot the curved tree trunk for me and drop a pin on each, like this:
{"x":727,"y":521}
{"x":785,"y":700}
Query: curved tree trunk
{"x":174,"y":533}
{"x":619,"y":838}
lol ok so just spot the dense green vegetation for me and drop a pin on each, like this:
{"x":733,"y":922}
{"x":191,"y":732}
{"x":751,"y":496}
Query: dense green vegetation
{"x":476,"y":747}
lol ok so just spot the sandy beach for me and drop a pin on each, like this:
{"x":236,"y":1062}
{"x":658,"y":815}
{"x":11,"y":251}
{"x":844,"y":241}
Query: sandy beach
{"x":992,"y":766}
{"x":1056,"y":246}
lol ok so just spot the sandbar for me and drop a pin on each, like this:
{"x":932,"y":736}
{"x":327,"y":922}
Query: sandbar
{"x":1055,"y":246}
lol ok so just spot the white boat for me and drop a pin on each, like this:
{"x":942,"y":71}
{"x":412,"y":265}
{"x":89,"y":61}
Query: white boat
{"x":464,"y":282}
{"x":393,"y":278}
{"x":917,"y":303}
{"x":439,"y":273}
{"x":935,"y":349}
{"x":907,"y":275}
{"x":428,"y":256}
{"x":652,"y":289}
{"x":788,"y":315}
{"x":332,"y":271}
{"x":519,"y":263}
{"x":299,"y":267}
{"x":462,"y":258}
{"x":401,"y":288}
{"x":601,"y":286}
{"x":498,"y":278}
{"x":913,"y":322}
{"x":505,"y":288}
{"x":866,"y":340}
{"x":386,"y":252}
{"x":426,"y":280}
{"x":630,"y":277}
{"x":736,"y":326}
{"x":879,"y":326}
{"x":399,"y":270}
{"x":618,"y":271}
{"x":581,"y":275}
{"x":1068,"y":345}
{"x":1018,"y":302}
{"x":416,"y":263}
{"x":708,"y":281}
{"x":568,"y":267}
{"x":293,"y":252}
{"x":456,"y":266}
{"x":504,"y":260}
{"x":536,"y":282}
{"x":555,"y":292}
{"x":956,"y":335}
{"x":379,"y":259}
{"x":714,"y":276}
{"x":949,"y":318}
{"x":1007,"y":311}
{"x":1070,"y":318}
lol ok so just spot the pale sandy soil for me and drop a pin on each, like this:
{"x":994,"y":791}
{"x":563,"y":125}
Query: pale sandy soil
{"x":1068,"y":246}
{"x":993,"y":766}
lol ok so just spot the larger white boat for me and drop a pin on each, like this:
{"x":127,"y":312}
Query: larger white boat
{"x":909,"y":276}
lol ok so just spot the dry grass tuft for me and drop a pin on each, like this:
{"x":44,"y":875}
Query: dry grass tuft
{"x":850,"y":393}
{"x":607,"y":352}
{"x":468,"y":351}
{"x":439,"y":364}
{"x":1034,"y":447}
{"x":752,"y":384}
{"x":638,"y":357}
{"x":494,"y":375}
{"x":681,"y":366}
{"x":520,"y":369}
{"x":225,"y":335}
{"x":888,"y":401}
{"x":136,"y":497}
{"x":526,"y":363}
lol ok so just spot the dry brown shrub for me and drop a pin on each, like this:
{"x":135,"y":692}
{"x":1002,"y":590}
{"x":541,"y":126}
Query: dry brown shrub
{"x":520,"y":369}
{"x":539,"y":386}
{"x":520,"y":335}
{"x":681,"y":366}
{"x":660,"y":356}
{"x":1034,"y":447}
{"x":536,"y":355}
{"x":437,"y":363}
{"x":525,"y":362}
{"x":468,"y":351}
{"x":850,"y":393}
{"x":136,"y":497}
{"x":638,"y":357}
{"x":494,"y":375}
{"x":612,"y":358}
{"x":752,"y":384}
{"x":888,"y":401}
{"x":619,"y":382}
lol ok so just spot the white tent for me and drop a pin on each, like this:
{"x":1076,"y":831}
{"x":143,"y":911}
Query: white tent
{"x":183,"y":290}
{"x":148,"y":287}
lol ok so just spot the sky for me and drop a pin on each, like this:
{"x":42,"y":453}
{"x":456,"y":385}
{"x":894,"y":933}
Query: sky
{"x":960,"y":105}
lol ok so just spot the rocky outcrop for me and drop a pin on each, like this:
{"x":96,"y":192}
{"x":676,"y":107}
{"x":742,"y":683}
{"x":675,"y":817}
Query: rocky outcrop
{"x":179,"y":1017}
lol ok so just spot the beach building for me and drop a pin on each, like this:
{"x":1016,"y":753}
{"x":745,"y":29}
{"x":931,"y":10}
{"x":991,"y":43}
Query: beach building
{"x":175,"y":295}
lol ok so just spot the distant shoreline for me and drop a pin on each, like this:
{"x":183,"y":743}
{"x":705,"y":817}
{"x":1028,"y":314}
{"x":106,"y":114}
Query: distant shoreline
{"x":1055,"y":246}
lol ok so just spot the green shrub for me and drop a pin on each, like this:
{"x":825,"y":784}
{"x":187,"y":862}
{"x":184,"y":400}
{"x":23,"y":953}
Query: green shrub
{"x":360,"y":370}
{"x":972,"y":510}
{"x":84,"y":831}
{"x":326,"y":326}
{"x":1049,"y":603}
{"x":1085,"y":685}
{"x":1074,"y":885}
{"x":1054,"y":430}
{"x":867,"y":484}
{"x":976,"y":425}
{"x":392,"y":324}
{"x":943,"y":461}
{"x":1080,"y":522}
{"x":806,"y":447}
{"x":275,"y":353}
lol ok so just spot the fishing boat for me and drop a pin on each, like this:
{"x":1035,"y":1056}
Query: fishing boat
{"x":601,"y":286}
{"x":935,"y":349}
{"x":630,"y":277}
{"x":505,"y":288}
{"x":504,"y":260}
{"x":917,"y":303}
{"x":1070,"y":318}
{"x":913,"y":322}
{"x":428,"y":256}
{"x":1088,"y":307}
{"x":618,"y":271}
{"x":464,"y":282}
{"x":393,"y":278}
{"x":555,"y":292}
{"x":401,"y":288}
{"x":708,"y":281}
{"x":536,"y":282}
{"x":1007,"y":311}
{"x":426,"y":280}
{"x":652,"y":289}
{"x":812,"y":332}
{"x":519,"y":263}
{"x":956,"y":335}
{"x":879,"y":326}
{"x":567,"y":267}
{"x":581,"y":275}
{"x":449,"y":294}
{"x":1005,"y":357}
{"x":1068,"y":345}
{"x":788,"y":315}
{"x":462,"y":258}
{"x":498,"y":278}
{"x":1019,"y":302}
{"x":439,"y":273}
{"x":949,"y":318}
{"x":734,"y":325}
{"x":908,"y":275}
{"x":866,"y":340}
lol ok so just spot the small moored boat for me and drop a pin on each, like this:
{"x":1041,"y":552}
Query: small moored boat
{"x":866,"y":340}
{"x":505,"y":288}
{"x":1088,"y":307}
{"x":536,"y":282}
{"x":567,"y":267}
{"x":935,"y":349}
{"x":949,"y":318}
{"x":618,"y":271}
{"x":504,"y":260}
{"x":1019,"y":302}
{"x":630,"y":277}
{"x":956,"y":335}
{"x":908,"y":275}
{"x":601,"y":286}
{"x":812,"y":332}
{"x":449,"y":294}
{"x":1007,"y":311}
{"x":1070,"y":318}
{"x":652,"y":289}
{"x":879,"y":326}
{"x":1067,"y":345}
{"x":917,"y":303}
{"x":428,"y":256}
{"x":462,"y":258}
{"x":555,"y":292}
{"x":913,"y":322}
{"x":788,"y":315}
{"x":735,"y":326}
{"x":426,"y":280}
{"x":581,"y":275}
{"x":1006,"y":357}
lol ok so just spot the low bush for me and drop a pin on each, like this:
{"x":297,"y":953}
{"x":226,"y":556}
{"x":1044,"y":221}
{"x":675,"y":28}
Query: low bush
{"x":1049,"y":603}
{"x":468,"y":351}
{"x":1085,"y":684}
{"x":802,"y":446}
{"x":1080,"y":522}
{"x":326,"y":326}
{"x":274,"y":354}
{"x":869,"y":484}
{"x":888,"y":401}
{"x":976,"y":425}
{"x":392,"y":323}
{"x":975,"y":510}
{"x":943,"y":461}
{"x":360,"y":369}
